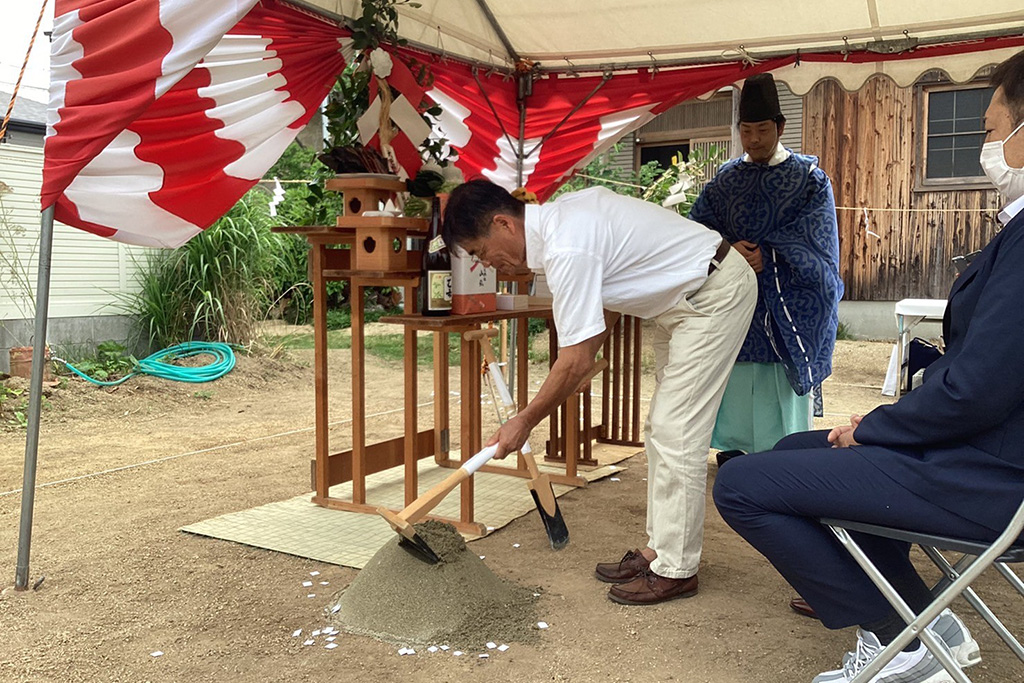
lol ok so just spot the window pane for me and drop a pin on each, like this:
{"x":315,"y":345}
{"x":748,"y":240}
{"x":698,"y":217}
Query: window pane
{"x":940,"y":105}
{"x":966,"y":164}
{"x":940,"y":143}
{"x":940,"y":127}
{"x":969,"y":125}
{"x":940,"y":164}
{"x":967,"y":104}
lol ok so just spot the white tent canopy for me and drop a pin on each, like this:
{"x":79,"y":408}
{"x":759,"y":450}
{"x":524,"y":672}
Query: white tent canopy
{"x":581,"y":35}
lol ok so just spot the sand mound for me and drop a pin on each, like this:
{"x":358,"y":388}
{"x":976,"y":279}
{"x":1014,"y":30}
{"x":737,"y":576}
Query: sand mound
{"x":459,"y":602}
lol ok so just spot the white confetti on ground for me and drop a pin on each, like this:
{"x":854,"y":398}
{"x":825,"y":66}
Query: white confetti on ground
{"x":158,"y":653}
{"x":491,"y":646}
{"x":308,"y":642}
{"x":482,"y":556}
{"x":307,"y":584}
{"x":457,"y":653}
{"x":515,"y":545}
{"x":315,"y":633}
{"x":484,"y":656}
{"x":444,"y":647}
{"x":331,"y":646}
{"x":542,"y":624}
{"x":297,"y":633}
{"x":311,"y":595}
{"x":323,"y":583}
{"x":614,"y":479}
{"x":432,"y":648}
{"x":314,"y":573}
{"x":335,"y":608}
{"x":502,"y":647}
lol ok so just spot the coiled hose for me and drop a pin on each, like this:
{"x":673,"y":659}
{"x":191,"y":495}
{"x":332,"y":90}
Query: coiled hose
{"x":155,"y":365}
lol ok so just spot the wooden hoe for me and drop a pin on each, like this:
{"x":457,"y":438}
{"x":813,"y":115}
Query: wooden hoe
{"x":539,"y":484}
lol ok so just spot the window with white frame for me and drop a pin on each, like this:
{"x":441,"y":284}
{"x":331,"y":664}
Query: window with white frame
{"x":953,"y":133}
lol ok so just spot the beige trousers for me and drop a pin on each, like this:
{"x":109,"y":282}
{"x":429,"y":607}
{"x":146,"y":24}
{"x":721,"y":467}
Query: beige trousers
{"x":695,"y":345}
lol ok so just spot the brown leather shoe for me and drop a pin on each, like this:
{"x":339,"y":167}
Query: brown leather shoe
{"x":632,"y":564}
{"x":650,"y":589}
{"x":800,"y":606}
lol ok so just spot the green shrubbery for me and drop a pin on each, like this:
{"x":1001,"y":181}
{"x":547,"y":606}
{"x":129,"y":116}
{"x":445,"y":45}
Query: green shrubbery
{"x":216,"y":287}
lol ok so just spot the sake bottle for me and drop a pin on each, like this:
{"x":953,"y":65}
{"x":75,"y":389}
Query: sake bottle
{"x":436,"y":285}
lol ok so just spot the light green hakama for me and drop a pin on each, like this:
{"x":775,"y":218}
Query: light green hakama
{"x":759,"y":408}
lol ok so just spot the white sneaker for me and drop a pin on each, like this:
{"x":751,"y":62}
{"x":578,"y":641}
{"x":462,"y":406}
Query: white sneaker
{"x":957,"y":637}
{"x":918,"y":666}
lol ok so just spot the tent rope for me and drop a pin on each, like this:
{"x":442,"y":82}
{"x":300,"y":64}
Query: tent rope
{"x":604,"y":79}
{"x":24,"y":64}
{"x":508,"y":138}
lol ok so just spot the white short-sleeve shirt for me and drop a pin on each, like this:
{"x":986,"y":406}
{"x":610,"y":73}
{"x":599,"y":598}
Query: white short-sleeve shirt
{"x":600,"y":250}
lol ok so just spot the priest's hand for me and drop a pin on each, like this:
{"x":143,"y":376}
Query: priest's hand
{"x":751,"y":252}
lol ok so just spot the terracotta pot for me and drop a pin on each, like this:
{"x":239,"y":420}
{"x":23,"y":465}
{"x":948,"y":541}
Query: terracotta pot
{"x":21,"y":363}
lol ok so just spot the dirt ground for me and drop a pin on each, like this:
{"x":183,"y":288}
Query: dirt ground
{"x":121,"y":470}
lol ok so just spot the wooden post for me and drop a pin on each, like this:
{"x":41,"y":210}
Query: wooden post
{"x":320,"y":370}
{"x":522,"y":375}
{"x":441,"y":397}
{"x":637,"y":336}
{"x":470,"y":438}
{"x":358,"y":393}
{"x":411,"y":357}
{"x":616,"y":366}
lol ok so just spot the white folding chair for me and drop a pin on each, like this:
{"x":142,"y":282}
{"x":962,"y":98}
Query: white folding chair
{"x":958,"y":577}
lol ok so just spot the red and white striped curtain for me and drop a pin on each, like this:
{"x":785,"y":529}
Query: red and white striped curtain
{"x":163,"y":113}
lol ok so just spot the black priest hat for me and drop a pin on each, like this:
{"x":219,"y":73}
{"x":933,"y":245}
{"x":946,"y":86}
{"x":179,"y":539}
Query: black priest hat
{"x":759,"y":99}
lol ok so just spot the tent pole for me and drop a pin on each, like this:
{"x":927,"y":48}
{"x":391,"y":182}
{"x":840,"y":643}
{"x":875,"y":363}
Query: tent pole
{"x":523,"y":83}
{"x":735,"y":145}
{"x":28,"y":486}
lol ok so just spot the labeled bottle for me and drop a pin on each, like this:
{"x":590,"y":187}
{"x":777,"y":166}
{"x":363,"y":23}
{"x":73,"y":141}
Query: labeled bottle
{"x":436,"y":285}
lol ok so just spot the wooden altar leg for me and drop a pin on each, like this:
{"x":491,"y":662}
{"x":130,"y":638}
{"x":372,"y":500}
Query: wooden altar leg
{"x":637,"y":336}
{"x":442,"y":397}
{"x":320,"y":371}
{"x":470,"y":438}
{"x":411,"y":357}
{"x":522,"y":374}
{"x":615,"y":363}
{"x":627,"y":377}
{"x":358,"y":394}
{"x":606,"y":386}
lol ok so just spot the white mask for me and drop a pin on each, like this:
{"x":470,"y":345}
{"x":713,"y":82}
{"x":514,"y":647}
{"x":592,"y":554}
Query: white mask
{"x":1008,"y":180}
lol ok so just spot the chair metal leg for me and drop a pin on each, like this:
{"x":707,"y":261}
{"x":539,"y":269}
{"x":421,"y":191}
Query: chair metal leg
{"x":1010,"y":576}
{"x":976,"y":602}
{"x":917,"y":625}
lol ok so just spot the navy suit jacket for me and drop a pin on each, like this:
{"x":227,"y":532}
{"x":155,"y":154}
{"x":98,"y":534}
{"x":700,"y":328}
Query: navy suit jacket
{"x":958,"y":439}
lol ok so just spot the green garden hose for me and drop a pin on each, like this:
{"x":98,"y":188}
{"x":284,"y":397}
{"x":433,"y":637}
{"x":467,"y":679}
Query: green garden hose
{"x":156,"y":365}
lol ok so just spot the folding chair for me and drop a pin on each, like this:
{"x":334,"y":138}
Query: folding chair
{"x":957,"y":580}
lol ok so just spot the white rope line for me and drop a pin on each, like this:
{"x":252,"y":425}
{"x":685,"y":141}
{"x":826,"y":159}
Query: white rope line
{"x":202,"y":450}
{"x":910,"y":210}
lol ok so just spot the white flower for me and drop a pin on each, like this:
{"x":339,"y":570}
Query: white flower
{"x":380,"y":60}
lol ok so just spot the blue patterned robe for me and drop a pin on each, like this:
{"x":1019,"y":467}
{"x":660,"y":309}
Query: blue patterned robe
{"x":788,"y":209}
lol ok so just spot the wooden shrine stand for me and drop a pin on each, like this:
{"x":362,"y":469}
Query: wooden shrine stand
{"x":370,"y":251}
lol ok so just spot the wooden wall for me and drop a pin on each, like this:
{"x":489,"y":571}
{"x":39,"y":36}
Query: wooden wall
{"x":866,"y":142}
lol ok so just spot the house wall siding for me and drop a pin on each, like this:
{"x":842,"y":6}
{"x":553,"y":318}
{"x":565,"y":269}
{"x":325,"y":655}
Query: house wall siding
{"x":895,"y":242}
{"x":87,"y":271}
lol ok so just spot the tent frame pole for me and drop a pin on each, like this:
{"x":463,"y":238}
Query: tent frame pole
{"x":524,"y":83}
{"x":28,"y":486}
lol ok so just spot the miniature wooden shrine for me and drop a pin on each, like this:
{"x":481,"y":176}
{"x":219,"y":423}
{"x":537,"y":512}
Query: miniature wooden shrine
{"x":369,"y":248}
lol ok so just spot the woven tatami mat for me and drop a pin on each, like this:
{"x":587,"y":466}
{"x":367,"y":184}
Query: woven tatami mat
{"x":299,"y":527}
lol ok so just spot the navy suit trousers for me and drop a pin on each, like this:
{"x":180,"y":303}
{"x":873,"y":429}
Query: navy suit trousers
{"x":774,"y":500}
